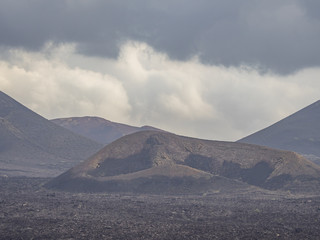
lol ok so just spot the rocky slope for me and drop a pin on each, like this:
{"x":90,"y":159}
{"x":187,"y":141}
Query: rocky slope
{"x":31,"y":145}
{"x":299,"y":132}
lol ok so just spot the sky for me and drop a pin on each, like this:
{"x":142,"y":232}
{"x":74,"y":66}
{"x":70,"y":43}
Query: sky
{"x":213,"y":69}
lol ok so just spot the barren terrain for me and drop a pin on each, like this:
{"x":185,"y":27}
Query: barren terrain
{"x":29,"y":211}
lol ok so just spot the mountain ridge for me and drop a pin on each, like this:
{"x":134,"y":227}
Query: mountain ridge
{"x":99,"y":129}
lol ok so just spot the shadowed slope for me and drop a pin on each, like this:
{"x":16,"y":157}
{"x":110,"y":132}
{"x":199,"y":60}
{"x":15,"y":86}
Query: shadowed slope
{"x":98,"y":129}
{"x":300,"y":132}
{"x":30,"y":145}
{"x":151,"y":158}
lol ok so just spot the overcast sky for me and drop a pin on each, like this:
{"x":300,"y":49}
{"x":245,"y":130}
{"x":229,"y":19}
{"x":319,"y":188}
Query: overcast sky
{"x":215,"y":69}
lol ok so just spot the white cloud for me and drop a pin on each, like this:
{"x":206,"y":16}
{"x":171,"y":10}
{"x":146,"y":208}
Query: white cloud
{"x":144,"y":86}
{"x":52,"y":88}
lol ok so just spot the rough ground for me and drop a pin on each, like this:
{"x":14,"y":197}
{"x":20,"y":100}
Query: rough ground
{"x":28,"y":211}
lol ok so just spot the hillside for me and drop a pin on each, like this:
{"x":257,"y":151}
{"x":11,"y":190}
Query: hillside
{"x":98,"y":129}
{"x":299,"y":132}
{"x":152,"y":161}
{"x":31,"y":145}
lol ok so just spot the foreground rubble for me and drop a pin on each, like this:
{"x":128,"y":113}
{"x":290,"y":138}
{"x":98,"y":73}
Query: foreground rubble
{"x":28,"y":211}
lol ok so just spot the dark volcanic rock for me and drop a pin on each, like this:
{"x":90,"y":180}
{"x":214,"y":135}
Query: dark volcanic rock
{"x":31,"y":145}
{"x":149,"y":161}
{"x":28,"y":211}
{"x":300,"y":132}
{"x":99,"y":129}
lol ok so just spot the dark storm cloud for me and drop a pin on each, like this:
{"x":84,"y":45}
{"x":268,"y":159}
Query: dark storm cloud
{"x":280,"y":35}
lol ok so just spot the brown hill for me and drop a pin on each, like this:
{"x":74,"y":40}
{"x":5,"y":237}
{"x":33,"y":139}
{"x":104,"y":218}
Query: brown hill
{"x":31,"y":145}
{"x":153,"y":161}
{"x":99,"y":129}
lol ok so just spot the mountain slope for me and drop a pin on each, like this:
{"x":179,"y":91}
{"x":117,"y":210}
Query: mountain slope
{"x":149,"y":161}
{"x":98,"y":129}
{"x":31,"y":145}
{"x":299,"y":132}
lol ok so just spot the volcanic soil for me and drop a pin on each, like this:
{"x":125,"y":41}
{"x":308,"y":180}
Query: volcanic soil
{"x":29,"y":211}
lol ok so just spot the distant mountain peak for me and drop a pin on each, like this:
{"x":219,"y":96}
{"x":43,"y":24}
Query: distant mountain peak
{"x":99,"y":129}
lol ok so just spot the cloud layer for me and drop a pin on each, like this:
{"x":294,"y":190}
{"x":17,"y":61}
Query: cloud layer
{"x":282,"y":36}
{"x":144,"y":86}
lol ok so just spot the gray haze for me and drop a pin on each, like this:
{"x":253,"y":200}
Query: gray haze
{"x":282,"y":35}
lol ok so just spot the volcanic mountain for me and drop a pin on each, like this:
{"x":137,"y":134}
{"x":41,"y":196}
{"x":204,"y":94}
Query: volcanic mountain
{"x":160,"y":162}
{"x":299,"y":132}
{"x":31,"y":145}
{"x":99,"y":129}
